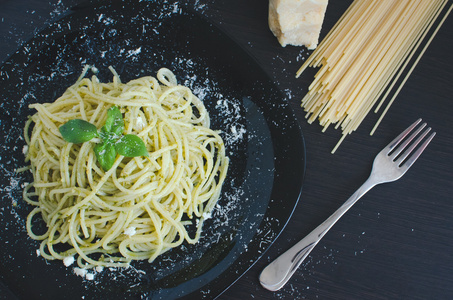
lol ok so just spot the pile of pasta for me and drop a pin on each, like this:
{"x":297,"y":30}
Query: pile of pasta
{"x":363,"y":58}
{"x":142,"y":206}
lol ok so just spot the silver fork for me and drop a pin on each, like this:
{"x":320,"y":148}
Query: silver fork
{"x":389,"y":165}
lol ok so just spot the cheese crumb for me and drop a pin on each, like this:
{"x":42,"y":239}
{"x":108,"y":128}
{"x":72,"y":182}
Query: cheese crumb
{"x":69,"y":260}
{"x":207,"y":215}
{"x":139,"y":123}
{"x":80,"y":272}
{"x":130,"y":231}
{"x":99,"y":269}
{"x":297,"y":22}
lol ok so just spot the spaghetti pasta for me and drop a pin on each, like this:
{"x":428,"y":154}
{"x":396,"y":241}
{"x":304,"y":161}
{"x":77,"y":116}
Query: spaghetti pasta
{"x":363,"y":58}
{"x":142,"y":206}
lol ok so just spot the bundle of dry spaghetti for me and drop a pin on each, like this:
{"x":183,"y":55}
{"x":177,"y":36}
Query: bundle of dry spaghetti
{"x":364,"y":57}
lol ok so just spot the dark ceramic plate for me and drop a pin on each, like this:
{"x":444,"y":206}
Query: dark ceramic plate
{"x":262,"y":136}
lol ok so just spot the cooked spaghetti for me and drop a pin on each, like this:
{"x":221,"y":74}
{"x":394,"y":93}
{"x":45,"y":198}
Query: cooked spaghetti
{"x":142,"y":206}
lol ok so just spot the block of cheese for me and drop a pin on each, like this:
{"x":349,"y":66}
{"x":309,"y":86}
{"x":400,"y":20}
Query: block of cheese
{"x":297,"y":22}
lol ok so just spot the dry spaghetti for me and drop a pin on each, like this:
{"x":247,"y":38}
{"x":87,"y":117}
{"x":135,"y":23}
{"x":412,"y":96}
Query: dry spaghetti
{"x":363,"y":58}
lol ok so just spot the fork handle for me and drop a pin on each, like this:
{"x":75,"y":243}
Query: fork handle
{"x":277,"y":273}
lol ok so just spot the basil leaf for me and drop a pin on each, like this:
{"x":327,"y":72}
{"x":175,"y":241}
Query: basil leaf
{"x":114,"y":122}
{"x":105,"y":154}
{"x":108,"y":137}
{"x":131,"y":145}
{"x":78,"y":131}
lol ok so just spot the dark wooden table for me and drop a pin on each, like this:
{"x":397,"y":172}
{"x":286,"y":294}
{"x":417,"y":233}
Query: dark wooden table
{"x":396,"y":242}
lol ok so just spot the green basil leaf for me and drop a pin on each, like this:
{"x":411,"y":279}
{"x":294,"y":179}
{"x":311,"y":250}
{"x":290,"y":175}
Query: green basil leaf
{"x":105,"y":154}
{"x":131,"y":145}
{"x":78,"y":131}
{"x":108,"y":137}
{"x":114,"y":122}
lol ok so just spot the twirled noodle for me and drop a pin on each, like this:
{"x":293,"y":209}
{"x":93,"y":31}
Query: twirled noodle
{"x":142,"y":206}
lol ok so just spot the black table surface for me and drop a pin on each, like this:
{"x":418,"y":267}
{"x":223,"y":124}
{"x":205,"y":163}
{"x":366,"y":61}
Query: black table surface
{"x":396,"y":242}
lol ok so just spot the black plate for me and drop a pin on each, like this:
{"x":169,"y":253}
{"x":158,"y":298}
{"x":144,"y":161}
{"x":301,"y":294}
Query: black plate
{"x":262,"y":136}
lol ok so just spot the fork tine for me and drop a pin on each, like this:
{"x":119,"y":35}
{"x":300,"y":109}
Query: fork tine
{"x":419,"y":151}
{"x":400,"y":137}
{"x":406,"y":142}
{"x":411,"y":148}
